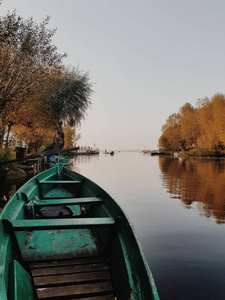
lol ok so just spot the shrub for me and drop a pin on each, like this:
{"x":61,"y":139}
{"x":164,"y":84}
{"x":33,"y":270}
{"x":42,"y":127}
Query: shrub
{"x":6,"y":155}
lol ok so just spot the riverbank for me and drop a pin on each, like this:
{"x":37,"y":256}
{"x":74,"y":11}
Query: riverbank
{"x":34,"y":164}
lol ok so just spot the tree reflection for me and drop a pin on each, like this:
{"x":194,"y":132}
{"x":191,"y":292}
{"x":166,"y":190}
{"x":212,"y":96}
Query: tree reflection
{"x":196,"y":180}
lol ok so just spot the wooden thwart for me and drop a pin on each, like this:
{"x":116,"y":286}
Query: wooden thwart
{"x":56,"y":183}
{"x":69,"y":223}
{"x":68,"y":201}
{"x":59,"y":182}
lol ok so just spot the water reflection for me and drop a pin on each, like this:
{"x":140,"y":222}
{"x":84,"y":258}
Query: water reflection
{"x":85,"y":159}
{"x":196,"y":180}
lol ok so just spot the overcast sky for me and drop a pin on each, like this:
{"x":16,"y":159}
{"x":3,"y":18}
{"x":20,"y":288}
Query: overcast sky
{"x":147,"y":58}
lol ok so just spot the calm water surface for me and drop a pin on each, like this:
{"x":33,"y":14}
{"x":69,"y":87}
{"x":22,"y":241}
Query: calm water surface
{"x":177,"y":208}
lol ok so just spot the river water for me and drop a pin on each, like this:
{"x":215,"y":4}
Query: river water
{"x":177,"y":208}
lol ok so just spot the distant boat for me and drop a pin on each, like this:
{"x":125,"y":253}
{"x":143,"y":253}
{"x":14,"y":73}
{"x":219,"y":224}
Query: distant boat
{"x":176,"y":154}
{"x":112,"y":153}
{"x":63,"y":237}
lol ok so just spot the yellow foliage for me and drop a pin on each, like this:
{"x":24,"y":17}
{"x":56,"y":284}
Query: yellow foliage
{"x":70,"y":136}
{"x":202,"y":127}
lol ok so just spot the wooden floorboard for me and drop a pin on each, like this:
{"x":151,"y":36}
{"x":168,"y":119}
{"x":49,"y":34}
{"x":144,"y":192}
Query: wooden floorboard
{"x":75,"y":290}
{"x":71,"y":278}
{"x":81,"y":278}
{"x":105,"y":297}
{"x":67,"y":262}
{"x":69,"y":269}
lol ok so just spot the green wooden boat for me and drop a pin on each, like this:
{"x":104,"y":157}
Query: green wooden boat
{"x":63,"y":237}
{"x":55,"y":159}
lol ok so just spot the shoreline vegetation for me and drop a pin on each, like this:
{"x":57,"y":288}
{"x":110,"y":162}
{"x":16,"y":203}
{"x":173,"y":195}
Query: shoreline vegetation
{"x":196,"y":131}
{"x":42,"y":101}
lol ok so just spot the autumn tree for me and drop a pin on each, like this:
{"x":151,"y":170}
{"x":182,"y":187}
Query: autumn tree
{"x":170,"y":139}
{"x":207,"y":138}
{"x":201,"y":128}
{"x":189,"y":130}
{"x":218,"y":111}
{"x":26,"y":52}
{"x":67,"y":99}
{"x":38,"y":94}
{"x":70,"y":136}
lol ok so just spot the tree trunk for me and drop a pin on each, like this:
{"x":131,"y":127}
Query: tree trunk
{"x":7,"y":136}
{"x":59,"y":140}
{"x":2,"y":133}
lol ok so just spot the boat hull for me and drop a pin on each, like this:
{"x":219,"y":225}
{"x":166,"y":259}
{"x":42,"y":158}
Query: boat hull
{"x":86,"y":223}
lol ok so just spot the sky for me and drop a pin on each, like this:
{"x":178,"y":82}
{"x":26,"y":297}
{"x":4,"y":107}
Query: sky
{"x":145,"y":58}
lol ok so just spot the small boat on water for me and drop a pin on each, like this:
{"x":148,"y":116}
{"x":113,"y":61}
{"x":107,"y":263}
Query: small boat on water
{"x":55,"y":159}
{"x":64,"y":237}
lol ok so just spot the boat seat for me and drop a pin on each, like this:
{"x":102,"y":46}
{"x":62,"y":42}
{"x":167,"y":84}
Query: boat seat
{"x":55,"y":207}
{"x":61,"y":184}
{"x":57,"y":224}
{"x":68,"y":201}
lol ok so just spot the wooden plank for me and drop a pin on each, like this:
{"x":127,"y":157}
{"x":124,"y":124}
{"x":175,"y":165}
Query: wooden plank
{"x":68,"y":262}
{"x":105,"y":297}
{"x":69,"y":269}
{"x":59,"y":182}
{"x":75,"y":290}
{"x":68,"y":201}
{"x":71,"y":278}
{"x":68,"y":223}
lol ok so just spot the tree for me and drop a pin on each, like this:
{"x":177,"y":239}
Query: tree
{"x":207,"y":138}
{"x":70,"y":136}
{"x":218,"y":111}
{"x":60,"y":99}
{"x":188,"y":126}
{"x":68,"y":98}
{"x":170,"y":139}
{"x":37,"y":92}
{"x":26,"y":52}
{"x":202,"y":128}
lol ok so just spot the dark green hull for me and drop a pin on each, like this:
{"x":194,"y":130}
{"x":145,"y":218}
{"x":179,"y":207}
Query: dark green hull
{"x":63,"y":237}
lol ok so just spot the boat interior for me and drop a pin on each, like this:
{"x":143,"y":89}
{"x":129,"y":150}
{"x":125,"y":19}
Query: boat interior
{"x":65,"y":240}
